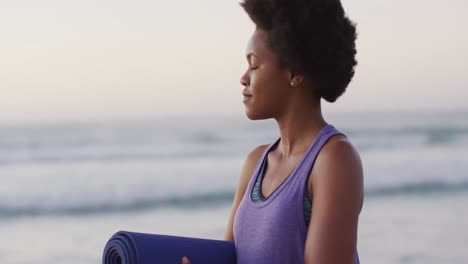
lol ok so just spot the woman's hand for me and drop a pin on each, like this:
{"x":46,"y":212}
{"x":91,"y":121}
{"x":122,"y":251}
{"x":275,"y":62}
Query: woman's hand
{"x":185,"y":260}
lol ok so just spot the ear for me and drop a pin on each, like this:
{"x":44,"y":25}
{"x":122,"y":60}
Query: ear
{"x":295,"y":80}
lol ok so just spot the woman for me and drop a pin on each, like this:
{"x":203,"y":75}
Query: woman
{"x":299,"y":198}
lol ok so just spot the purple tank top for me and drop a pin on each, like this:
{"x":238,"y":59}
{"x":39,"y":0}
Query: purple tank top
{"x":274,"y":230}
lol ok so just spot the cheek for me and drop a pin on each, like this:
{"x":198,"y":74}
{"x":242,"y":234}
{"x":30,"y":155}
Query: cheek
{"x":268,"y":83}
{"x":267,"y":75}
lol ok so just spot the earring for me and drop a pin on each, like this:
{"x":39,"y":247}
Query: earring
{"x":292,"y":83}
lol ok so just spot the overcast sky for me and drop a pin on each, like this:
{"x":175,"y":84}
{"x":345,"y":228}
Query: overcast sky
{"x":125,"y":58}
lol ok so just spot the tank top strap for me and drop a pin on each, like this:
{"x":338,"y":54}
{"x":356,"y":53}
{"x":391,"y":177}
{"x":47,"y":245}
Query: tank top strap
{"x":322,"y":138}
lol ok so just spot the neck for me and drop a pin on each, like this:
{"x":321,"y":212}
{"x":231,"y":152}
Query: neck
{"x":299,"y":127}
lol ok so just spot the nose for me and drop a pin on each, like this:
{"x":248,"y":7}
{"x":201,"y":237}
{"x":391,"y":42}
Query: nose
{"x":245,"y":79}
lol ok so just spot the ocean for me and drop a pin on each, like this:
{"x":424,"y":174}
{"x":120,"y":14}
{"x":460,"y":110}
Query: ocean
{"x":66,"y":187}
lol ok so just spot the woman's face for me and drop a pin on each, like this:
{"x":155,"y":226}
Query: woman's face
{"x":266,"y":82}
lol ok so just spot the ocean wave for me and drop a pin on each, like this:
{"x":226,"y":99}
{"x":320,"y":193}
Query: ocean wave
{"x":209,"y":147}
{"x":193,"y":201}
{"x":174,"y":139}
{"x":418,"y":188}
{"x":96,"y":156}
{"x":213,"y":199}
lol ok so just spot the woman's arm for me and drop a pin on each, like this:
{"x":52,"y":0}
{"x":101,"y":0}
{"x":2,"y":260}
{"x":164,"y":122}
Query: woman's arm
{"x":246,"y":174}
{"x":337,"y":184}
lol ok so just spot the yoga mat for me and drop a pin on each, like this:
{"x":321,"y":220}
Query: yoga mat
{"x":139,"y":248}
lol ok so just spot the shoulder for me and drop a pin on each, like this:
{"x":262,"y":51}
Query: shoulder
{"x":248,"y":169}
{"x":338,"y":169}
{"x":256,"y":153}
{"x":251,"y":162}
{"x":339,"y":149}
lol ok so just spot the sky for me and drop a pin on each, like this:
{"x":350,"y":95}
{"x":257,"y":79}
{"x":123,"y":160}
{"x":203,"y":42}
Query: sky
{"x":99,"y":59}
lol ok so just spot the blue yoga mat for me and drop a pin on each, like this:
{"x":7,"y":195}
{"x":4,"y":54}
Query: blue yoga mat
{"x":139,"y":248}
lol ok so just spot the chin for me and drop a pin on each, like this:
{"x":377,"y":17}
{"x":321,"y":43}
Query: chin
{"x":256,"y":115}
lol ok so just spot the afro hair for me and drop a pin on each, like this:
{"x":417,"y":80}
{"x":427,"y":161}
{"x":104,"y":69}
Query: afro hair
{"x":314,"y":38}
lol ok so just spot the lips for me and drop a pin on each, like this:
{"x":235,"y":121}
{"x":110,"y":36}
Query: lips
{"x":246,"y":94}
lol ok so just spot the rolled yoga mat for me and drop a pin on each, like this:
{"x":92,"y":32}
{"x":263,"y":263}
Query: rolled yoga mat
{"x":139,"y":248}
